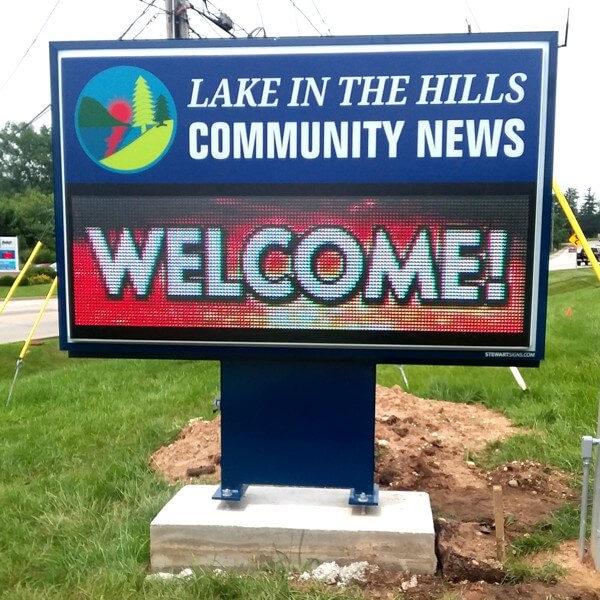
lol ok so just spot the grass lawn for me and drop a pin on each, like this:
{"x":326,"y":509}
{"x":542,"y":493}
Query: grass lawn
{"x":562,"y":404}
{"x":77,"y":497}
{"x":27,"y":291}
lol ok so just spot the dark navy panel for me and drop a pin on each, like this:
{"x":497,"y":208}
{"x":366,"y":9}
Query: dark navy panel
{"x":299,"y":423}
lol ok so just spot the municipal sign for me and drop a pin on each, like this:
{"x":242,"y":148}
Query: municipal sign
{"x":382,"y":198}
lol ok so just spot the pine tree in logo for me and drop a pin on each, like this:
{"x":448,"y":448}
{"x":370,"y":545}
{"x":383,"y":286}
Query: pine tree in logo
{"x":161,"y":114}
{"x":143,"y":105}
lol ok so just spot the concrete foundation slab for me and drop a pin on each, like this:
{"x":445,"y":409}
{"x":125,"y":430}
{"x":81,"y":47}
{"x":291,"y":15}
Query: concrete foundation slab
{"x":293,"y":526}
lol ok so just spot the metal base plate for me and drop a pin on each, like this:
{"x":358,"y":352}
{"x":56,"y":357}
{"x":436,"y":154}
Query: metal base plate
{"x":230,"y":494}
{"x":364,"y":499}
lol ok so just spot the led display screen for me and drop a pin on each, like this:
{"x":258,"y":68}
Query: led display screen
{"x":443,"y":270}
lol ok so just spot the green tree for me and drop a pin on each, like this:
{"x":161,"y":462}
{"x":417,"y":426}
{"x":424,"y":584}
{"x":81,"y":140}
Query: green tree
{"x":589,"y":217}
{"x":25,"y":159}
{"x":143,"y":105}
{"x":561,"y":230}
{"x":26,"y":201}
{"x":589,"y":205}
{"x":572,"y":196}
{"x":30,"y":217}
{"x":161,"y":114}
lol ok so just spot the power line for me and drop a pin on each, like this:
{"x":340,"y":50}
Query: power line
{"x":261,"y":20}
{"x":321,"y":17}
{"x":39,"y":115}
{"x":216,"y":31}
{"x":160,"y":8}
{"x":30,"y":46}
{"x":238,"y":26}
{"x":190,"y":28}
{"x":473,"y":15}
{"x":148,"y":7}
{"x":45,"y":110}
{"x":256,"y":31}
{"x":304,"y":15}
{"x":151,"y":20}
{"x":221,"y":20}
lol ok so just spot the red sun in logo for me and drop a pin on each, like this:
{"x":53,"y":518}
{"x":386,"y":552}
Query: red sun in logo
{"x":120,"y":110}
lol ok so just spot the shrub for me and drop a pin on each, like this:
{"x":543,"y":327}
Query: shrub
{"x":7,"y":280}
{"x":49,"y":272}
{"x":39,"y":279}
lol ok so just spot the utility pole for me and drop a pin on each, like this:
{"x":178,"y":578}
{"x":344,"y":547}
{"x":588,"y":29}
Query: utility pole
{"x":177,"y":19}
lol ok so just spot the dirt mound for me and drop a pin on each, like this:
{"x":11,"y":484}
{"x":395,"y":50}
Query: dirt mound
{"x":427,"y":445}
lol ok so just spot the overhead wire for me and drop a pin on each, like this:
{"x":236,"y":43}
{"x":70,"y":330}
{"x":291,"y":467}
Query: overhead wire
{"x":212,"y":19}
{"x":190,"y":28}
{"x":159,"y":8}
{"x":237,"y":25}
{"x":473,"y":15}
{"x":216,"y":30}
{"x":256,"y":31}
{"x":321,"y":17}
{"x":38,"y":116}
{"x":148,"y":7}
{"x":31,"y":45}
{"x":261,"y":20}
{"x":296,"y":21}
{"x":217,"y":20}
{"x":151,"y":20}
{"x":44,"y":110}
{"x":305,"y":16}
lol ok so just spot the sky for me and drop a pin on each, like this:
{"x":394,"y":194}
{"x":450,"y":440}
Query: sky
{"x":27,"y":27}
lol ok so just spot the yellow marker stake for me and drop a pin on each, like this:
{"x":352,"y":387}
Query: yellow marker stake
{"x":576,"y":228}
{"x":20,"y":276}
{"x":30,"y":336}
{"x":39,"y":318}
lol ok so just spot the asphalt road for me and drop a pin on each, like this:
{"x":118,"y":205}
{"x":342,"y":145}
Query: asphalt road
{"x":567,"y":259}
{"x":19,"y":316}
{"x":563,"y":259}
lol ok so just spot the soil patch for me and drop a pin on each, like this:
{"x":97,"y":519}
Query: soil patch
{"x":427,"y":445}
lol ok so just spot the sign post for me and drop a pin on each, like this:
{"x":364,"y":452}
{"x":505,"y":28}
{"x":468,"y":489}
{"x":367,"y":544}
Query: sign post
{"x":326,"y":407}
{"x":301,"y":210}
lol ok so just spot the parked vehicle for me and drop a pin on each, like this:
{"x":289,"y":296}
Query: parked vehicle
{"x":582,"y":258}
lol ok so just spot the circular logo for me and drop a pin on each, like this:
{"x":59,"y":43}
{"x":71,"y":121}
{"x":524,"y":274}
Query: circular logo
{"x":125,"y":119}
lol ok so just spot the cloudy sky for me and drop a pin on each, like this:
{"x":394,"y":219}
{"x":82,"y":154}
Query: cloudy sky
{"x":27,"y":27}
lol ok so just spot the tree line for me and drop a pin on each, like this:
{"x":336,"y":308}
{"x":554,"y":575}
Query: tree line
{"x":587,"y":211}
{"x":27,"y":204}
{"x":26,"y":193}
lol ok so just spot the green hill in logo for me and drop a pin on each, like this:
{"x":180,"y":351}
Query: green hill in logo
{"x":143,"y":151}
{"x":91,"y":113}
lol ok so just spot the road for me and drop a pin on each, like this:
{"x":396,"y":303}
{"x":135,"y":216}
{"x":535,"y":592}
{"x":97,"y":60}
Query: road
{"x":563,"y":259}
{"x":19,"y":316}
{"x":566,"y":258}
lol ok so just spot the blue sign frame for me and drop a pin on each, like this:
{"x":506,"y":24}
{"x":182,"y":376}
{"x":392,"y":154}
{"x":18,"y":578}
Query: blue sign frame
{"x":466,"y":118}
